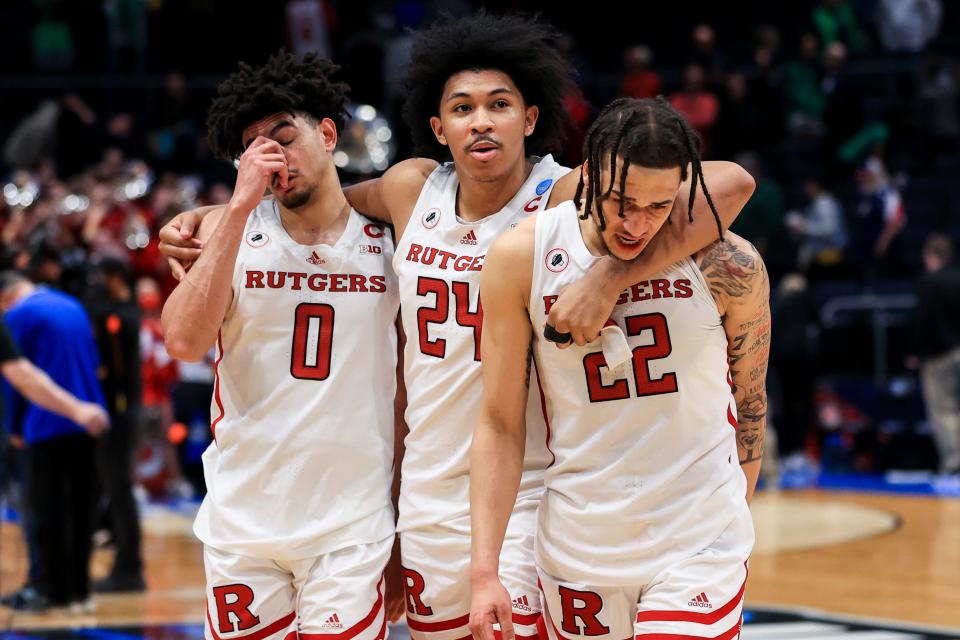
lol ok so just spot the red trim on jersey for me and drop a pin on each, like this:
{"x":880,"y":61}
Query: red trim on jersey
{"x":440,"y":625}
{"x":216,"y":388}
{"x":731,"y":419}
{"x":266,"y":632}
{"x":291,"y":636}
{"x":694,"y":616}
{"x":729,"y":634}
{"x":543,"y":408}
{"x":358,"y":628}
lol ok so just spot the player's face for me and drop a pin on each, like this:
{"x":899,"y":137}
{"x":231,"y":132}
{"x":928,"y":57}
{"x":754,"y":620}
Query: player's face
{"x":307,"y":146}
{"x":647,"y":200}
{"x":483,"y":119}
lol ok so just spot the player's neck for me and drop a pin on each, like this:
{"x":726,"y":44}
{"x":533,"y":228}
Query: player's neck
{"x":478,"y":199}
{"x":591,"y":235}
{"x":320,"y":221}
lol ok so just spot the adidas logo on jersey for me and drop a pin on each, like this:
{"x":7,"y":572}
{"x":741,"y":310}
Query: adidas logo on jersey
{"x":700,"y":601}
{"x":470,"y":238}
{"x":333,"y":622}
{"x":523,"y":604}
{"x":315,"y":259}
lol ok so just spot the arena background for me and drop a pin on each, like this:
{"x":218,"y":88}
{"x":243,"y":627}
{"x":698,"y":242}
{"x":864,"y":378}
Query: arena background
{"x":102,"y":107}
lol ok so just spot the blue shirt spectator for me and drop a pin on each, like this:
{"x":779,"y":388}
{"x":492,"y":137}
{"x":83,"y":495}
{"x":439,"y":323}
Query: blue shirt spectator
{"x":53,"y":331}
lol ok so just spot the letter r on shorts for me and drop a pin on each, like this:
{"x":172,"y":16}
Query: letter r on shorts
{"x":583,"y":606}
{"x":413,"y":586}
{"x":234,"y":599}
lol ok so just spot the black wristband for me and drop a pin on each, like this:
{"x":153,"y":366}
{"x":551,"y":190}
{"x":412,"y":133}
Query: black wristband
{"x":553,"y":335}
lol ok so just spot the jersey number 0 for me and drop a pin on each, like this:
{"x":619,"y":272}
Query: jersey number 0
{"x":312,"y":341}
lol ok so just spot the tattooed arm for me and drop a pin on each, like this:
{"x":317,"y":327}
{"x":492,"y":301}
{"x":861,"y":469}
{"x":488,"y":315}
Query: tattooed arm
{"x":739,"y":284}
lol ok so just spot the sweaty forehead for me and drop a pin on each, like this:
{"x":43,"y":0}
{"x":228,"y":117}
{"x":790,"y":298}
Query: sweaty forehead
{"x":265,"y":126}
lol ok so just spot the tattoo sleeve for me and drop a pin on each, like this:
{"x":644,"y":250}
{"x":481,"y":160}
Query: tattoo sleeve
{"x":738,"y":281}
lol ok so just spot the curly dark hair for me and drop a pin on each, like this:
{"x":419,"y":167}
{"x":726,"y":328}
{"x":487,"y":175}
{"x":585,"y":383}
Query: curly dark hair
{"x":649,"y":133}
{"x":284,"y":84}
{"x":525,"y":48}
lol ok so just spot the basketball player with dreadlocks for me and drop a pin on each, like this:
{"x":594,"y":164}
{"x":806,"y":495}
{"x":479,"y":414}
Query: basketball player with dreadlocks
{"x":298,"y":521}
{"x":486,"y":91}
{"x":644,"y":529}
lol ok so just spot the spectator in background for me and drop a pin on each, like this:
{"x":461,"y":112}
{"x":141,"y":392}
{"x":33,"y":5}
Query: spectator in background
{"x":878,"y":220}
{"x":639,"y":80}
{"x":940,"y":95}
{"x":765,"y":87}
{"x":836,"y":21}
{"x":116,"y":322}
{"x":737,"y":122}
{"x":37,"y":387}
{"x":793,"y":359}
{"x":698,"y":104}
{"x":54,"y":332}
{"x":705,"y":54}
{"x":820,"y":229}
{"x":762,"y":217}
{"x":803,"y":93}
{"x":936,"y":348}
{"x":907,"y":26}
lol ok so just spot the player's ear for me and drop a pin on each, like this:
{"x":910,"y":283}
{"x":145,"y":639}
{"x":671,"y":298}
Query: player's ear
{"x":328,"y":131}
{"x":437,"y":125}
{"x":530,"y":119}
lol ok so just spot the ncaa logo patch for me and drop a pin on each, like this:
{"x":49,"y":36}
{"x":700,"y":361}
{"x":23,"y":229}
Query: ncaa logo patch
{"x":431,"y":218}
{"x":543,"y":186}
{"x":257,"y":239}
{"x":556,"y":260}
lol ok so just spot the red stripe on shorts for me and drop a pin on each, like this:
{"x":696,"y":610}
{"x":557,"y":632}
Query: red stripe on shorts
{"x":356,"y":629}
{"x":266,"y":632}
{"x":693,"y":616}
{"x":440,"y":625}
{"x":729,"y":634}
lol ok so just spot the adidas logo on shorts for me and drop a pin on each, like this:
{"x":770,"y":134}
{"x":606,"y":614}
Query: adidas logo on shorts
{"x":333,"y":622}
{"x":700,"y":601}
{"x":522,"y":604}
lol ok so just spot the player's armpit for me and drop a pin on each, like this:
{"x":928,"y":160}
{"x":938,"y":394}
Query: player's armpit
{"x":738,"y":280}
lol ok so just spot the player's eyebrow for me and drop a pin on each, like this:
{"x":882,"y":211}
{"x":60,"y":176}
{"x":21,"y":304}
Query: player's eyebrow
{"x":463,"y":94}
{"x":280,"y":125}
{"x":632,"y":199}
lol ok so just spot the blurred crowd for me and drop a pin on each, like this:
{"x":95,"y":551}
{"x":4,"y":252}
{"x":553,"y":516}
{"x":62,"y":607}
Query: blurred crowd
{"x":847,"y":113}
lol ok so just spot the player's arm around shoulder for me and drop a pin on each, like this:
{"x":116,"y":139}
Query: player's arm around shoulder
{"x":391,"y":197}
{"x":195,"y":310}
{"x":738,"y":281}
{"x":496,"y":455}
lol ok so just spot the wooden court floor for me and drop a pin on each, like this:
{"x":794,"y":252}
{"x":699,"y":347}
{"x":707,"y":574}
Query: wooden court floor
{"x":882,"y":556}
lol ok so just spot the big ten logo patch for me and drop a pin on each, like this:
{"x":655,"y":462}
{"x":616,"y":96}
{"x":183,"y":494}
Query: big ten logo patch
{"x":370,"y":248}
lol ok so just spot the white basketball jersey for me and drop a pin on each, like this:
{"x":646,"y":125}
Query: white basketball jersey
{"x":438,"y":262}
{"x":646,"y":456}
{"x":303,"y":400}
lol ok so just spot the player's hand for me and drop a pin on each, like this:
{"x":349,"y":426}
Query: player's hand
{"x":178,"y":244}
{"x":91,"y":417}
{"x":262,"y":164}
{"x":583,"y":308}
{"x":396,"y":603}
{"x":490,"y":604}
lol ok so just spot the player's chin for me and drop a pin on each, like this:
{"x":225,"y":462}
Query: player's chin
{"x":293,"y":198}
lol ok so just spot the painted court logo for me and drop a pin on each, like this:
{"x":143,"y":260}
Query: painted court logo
{"x":556,"y":260}
{"x":431,"y":217}
{"x":257,"y":239}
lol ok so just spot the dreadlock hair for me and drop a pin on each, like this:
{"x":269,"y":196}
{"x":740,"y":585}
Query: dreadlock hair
{"x":649,"y":133}
{"x":525,"y":48}
{"x":284,"y":84}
